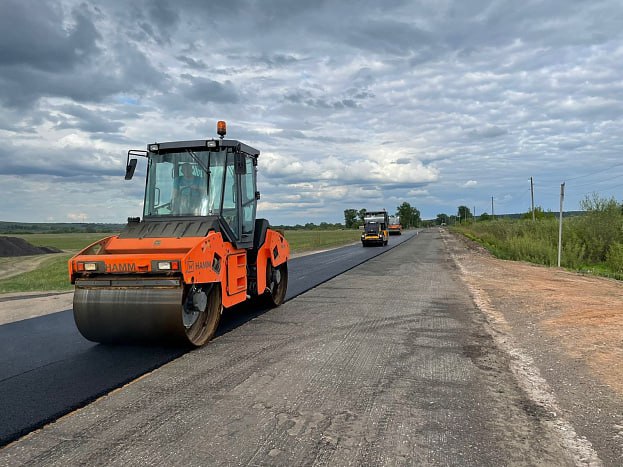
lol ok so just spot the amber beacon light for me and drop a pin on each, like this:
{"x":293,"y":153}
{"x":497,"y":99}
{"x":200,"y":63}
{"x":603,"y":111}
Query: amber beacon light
{"x":221,"y":128}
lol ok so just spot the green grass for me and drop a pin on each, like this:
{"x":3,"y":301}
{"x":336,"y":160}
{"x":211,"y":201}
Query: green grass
{"x":50,"y":275}
{"x":309,"y":240}
{"x":53,"y":275}
{"x":591,"y":243}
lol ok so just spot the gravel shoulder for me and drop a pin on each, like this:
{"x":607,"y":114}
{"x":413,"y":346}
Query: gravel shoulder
{"x":568,"y":325}
{"x":26,"y":305}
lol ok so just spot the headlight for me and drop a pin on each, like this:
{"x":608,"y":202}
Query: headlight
{"x":167,"y":265}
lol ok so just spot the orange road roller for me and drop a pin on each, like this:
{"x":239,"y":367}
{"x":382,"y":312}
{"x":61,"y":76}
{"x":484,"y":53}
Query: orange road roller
{"x":197,"y":250}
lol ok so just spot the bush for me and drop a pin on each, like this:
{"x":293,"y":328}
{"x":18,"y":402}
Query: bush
{"x":614,"y":258}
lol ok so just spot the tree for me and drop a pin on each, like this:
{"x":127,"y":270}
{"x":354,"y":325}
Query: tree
{"x":362,"y":214}
{"x":350,"y":218}
{"x":409,"y":216}
{"x":539,"y":214}
{"x":464,"y":213}
{"x":442,"y":219}
{"x":485,"y":217}
{"x":600,"y":227}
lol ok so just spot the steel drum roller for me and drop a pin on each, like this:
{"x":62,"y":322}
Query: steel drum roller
{"x":116,"y":314}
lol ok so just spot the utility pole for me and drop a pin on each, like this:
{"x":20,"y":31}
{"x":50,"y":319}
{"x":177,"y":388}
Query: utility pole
{"x":532,"y":196}
{"x":562,"y":197}
{"x":492,"y":211}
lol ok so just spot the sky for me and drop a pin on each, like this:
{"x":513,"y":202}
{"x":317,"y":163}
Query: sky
{"x":353,"y":104}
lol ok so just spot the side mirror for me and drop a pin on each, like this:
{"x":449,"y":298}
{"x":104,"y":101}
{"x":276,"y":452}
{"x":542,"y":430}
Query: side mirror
{"x":130,"y":168}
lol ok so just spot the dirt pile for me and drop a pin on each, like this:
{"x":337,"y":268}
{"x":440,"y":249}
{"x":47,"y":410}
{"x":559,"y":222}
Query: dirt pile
{"x":14,"y":246}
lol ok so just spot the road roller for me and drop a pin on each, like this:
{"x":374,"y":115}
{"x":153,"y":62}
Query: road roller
{"x":197,"y":250}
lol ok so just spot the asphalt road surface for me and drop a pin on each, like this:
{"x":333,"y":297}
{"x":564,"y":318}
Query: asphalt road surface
{"x":48,"y":369}
{"x":387,"y":364}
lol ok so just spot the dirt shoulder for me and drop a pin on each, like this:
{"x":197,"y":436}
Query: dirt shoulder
{"x":570,"y":325}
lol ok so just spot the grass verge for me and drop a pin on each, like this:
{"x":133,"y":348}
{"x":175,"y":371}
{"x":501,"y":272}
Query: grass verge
{"x":50,"y":275}
{"x":308,"y":240}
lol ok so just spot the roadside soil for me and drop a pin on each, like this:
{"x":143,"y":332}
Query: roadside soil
{"x":15,"y":246}
{"x":571,"y":328}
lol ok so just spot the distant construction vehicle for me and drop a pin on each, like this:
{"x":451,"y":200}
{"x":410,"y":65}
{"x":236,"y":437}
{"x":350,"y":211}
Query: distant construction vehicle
{"x":198,"y":249}
{"x":375,"y":228}
{"x":394,"y":227}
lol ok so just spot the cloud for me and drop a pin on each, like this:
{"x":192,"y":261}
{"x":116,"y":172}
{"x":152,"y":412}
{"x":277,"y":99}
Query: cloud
{"x":40,"y":38}
{"x":204,"y":90}
{"x":470,"y":184}
{"x":488,"y":132}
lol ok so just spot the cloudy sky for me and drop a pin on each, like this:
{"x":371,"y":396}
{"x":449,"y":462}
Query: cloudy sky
{"x":353,"y":104}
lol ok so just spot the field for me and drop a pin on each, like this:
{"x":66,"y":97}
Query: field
{"x":50,"y":273}
{"x":309,"y":240}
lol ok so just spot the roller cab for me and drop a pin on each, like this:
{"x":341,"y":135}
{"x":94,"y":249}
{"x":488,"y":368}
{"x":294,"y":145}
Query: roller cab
{"x":197,"y":250}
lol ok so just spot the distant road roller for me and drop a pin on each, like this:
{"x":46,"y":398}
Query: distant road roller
{"x":197,"y":250}
{"x":394,"y":227}
{"x":375,"y":228}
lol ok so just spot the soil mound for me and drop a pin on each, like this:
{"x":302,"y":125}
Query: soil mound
{"x":14,"y":246}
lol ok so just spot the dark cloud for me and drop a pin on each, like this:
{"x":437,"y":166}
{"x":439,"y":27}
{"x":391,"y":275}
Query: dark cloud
{"x":192,"y":63}
{"x":488,"y":132}
{"x":84,"y":163}
{"x":51,"y":51}
{"x":81,"y":118}
{"x":36,"y":38}
{"x":393,"y":37}
{"x":204,"y":90}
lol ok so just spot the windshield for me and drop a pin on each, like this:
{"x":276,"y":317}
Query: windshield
{"x":178,"y":185}
{"x":372,"y":227}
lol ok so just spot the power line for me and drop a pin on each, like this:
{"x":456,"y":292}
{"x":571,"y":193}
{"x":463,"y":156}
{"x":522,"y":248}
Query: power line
{"x":596,"y":172}
{"x":605,"y":188}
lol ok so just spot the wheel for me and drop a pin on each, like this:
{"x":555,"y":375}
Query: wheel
{"x":202,"y":312}
{"x":276,"y":283}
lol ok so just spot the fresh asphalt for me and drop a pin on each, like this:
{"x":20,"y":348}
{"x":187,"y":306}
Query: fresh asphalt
{"x":48,"y":369}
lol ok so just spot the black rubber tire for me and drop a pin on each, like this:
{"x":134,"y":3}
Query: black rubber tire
{"x":207,"y":322}
{"x":277,"y":289}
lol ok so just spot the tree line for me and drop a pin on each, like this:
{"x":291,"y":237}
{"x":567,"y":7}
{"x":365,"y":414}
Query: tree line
{"x":464,"y":215}
{"x":409,"y":216}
